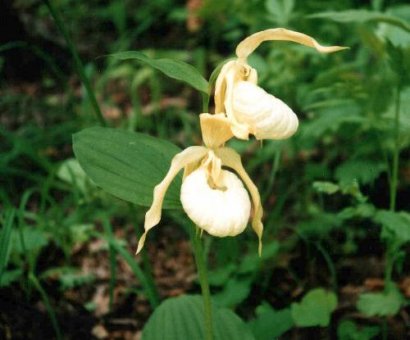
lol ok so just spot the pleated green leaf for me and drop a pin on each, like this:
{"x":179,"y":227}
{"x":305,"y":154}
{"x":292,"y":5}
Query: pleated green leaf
{"x":183,"y":318}
{"x":175,"y":69}
{"x":128,"y":165}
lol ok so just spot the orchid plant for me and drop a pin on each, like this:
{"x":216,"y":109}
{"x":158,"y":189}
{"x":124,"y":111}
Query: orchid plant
{"x":216,"y":199}
{"x":216,"y":192}
{"x":213,"y":198}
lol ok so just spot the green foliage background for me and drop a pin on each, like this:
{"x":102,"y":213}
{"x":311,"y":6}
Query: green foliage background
{"x":336,"y":215}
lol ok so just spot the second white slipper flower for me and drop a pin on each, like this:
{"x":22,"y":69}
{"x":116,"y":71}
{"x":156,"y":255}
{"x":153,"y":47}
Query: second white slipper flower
{"x":248,"y":107}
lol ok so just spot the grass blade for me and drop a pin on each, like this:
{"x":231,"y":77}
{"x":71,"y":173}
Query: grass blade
{"x":44,"y":296}
{"x":5,"y":236}
{"x":138,"y":272}
{"x":77,"y":61}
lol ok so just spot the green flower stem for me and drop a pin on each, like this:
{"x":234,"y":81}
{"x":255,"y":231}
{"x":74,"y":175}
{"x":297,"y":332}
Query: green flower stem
{"x":395,"y":165}
{"x":385,"y":329}
{"x":203,"y":279}
{"x":36,"y":283}
{"x":274,"y":171}
{"x":391,"y":245}
{"x":146,"y":264}
{"x":77,"y":61}
{"x":205,"y":102}
{"x":390,"y":259}
{"x":330,"y":265}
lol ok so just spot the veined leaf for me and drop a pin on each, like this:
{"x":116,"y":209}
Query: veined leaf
{"x":10,"y":276}
{"x":315,"y":308}
{"x":395,"y":223}
{"x":269,"y":323}
{"x":183,"y":318}
{"x":362,"y":210}
{"x":319,"y":225}
{"x":175,"y":69}
{"x":71,"y":172}
{"x":348,"y":330}
{"x":251,"y":262}
{"x":394,"y":34}
{"x":326,"y":187}
{"x":362,"y":15}
{"x":234,"y":292}
{"x":380,"y":304}
{"x":331,"y":119}
{"x":33,"y":238}
{"x":363,"y":171}
{"x":127,"y":165}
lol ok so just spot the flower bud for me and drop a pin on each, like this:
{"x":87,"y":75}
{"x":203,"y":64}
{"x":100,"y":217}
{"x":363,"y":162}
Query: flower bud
{"x":266,"y":116}
{"x":221,"y":208}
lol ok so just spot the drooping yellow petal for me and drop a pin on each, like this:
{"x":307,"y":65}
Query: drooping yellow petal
{"x":153,"y":216}
{"x":249,"y":44}
{"x":232,"y":159}
{"x":216,"y":129}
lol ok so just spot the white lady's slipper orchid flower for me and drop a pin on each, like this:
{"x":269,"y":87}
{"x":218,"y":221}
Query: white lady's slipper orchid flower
{"x":248,"y":107}
{"x":215,"y":199}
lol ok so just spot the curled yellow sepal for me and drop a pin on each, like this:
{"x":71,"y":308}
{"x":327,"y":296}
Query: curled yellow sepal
{"x":231,"y":159}
{"x":249,"y":44}
{"x":231,"y":73}
{"x":190,"y":155}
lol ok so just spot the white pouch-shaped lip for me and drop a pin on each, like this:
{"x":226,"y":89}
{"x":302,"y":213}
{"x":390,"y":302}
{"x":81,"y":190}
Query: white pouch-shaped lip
{"x":221,"y":210}
{"x":266,"y":116}
{"x":215,"y":199}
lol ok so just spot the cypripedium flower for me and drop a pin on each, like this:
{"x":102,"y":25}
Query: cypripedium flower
{"x":215,"y":199}
{"x":248,"y":107}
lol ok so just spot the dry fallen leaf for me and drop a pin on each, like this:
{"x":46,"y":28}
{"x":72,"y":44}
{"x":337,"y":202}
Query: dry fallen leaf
{"x":99,"y":332}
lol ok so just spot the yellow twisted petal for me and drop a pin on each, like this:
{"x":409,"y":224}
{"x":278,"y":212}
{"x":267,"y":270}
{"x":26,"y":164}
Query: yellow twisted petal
{"x":232,"y":159}
{"x":249,"y":44}
{"x":153,"y":216}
